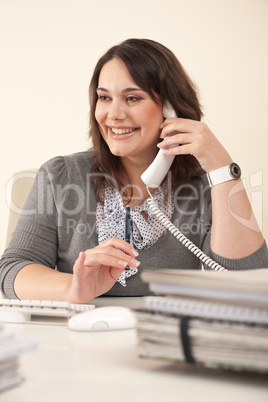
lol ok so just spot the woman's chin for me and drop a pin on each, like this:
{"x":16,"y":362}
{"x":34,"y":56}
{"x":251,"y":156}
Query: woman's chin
{"x":119,"y":151}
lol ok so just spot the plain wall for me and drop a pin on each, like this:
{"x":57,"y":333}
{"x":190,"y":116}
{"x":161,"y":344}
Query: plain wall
{"x":48,"y":49}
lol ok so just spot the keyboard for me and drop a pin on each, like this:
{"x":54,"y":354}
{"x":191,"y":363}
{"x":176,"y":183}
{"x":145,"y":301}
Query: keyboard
{"x":39,"y":311}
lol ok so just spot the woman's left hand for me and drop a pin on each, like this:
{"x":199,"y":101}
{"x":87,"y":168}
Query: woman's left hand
{"x":195,"y":138}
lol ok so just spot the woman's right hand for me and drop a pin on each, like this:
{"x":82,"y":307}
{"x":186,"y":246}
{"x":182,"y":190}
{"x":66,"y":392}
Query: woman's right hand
{"x":96,"y":270}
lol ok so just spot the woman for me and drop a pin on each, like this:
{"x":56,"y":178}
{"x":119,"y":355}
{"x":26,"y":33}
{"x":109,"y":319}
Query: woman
{"x":69,"y":242}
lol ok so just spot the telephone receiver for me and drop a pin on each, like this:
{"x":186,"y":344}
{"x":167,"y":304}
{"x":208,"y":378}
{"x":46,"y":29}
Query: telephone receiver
{"x":152,"y":177}
{"x":155,"y":173}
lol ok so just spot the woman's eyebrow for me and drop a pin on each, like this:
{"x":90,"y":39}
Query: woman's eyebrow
{"x":102,"y":89}
{"x":130,"y":89}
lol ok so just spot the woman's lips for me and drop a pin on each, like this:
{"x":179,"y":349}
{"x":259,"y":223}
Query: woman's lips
{"x":120,"y":133}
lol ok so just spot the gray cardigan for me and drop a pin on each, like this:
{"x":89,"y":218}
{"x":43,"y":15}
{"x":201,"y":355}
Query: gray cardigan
{"x":59,"y":221}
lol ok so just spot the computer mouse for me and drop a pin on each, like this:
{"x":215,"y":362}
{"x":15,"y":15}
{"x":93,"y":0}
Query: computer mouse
{"x":107,"y":318}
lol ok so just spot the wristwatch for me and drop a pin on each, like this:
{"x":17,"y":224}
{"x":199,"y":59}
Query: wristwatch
{"x":223,"y":174}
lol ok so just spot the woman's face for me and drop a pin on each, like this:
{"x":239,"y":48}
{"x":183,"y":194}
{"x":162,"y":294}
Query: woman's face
{"x":129,"y":120}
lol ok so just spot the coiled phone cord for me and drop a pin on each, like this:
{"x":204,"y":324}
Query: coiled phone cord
{"x":183,"y":239}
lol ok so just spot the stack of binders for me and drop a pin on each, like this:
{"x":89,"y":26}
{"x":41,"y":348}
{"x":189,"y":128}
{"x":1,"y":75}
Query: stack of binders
{"x":206,"y":318}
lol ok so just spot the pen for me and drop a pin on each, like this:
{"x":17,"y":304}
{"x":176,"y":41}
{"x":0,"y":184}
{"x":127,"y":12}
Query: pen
{"x":127,"y":225}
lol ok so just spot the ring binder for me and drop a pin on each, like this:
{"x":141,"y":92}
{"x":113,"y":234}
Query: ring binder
{"x":189,"y":326}
{"x":186,"y":341}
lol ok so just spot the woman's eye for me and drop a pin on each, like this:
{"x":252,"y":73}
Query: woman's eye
{"x":103,"y":98}
{"x":132,"y":99}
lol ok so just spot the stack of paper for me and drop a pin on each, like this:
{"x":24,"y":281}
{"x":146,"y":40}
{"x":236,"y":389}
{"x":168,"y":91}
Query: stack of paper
{"x":214,"y":319}
{"x":10,"y":351}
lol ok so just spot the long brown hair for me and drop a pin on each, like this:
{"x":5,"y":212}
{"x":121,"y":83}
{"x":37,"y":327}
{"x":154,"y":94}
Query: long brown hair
{"x":156,"y":70}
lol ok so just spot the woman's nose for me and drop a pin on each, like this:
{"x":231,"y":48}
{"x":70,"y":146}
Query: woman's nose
{"x":116,"y":111}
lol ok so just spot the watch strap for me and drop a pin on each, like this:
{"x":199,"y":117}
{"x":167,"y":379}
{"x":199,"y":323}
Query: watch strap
{"x":223,"y":174}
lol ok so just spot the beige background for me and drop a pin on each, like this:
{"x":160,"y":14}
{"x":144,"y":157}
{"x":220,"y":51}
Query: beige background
{"x":48,"y":49}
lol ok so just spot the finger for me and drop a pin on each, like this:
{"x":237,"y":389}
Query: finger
{"x":115,"y":260}
{"x":176,"y":140}
{"x":80,"y":260}
{"x":121,"y":245}
{"x":79,"y":263}
{"x":115,"y":273}
{"x":178,"y":124}
{"x":115,"y":253}
{"x":180,"y":120}
{"x":186,"y":149}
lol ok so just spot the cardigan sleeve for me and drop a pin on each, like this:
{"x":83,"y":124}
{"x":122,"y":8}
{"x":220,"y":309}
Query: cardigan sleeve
{"x":34,"y":240}
{"x":259,"y":259}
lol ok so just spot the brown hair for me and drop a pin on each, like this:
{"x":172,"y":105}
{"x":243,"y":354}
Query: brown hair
{"x":156,"y":70}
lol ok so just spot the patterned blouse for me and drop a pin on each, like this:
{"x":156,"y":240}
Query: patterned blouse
{"x":110,"y":219}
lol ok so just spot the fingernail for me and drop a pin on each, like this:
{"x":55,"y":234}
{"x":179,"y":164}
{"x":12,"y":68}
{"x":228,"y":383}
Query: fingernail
{"x":134,"y":263}
{"x":134,"y":252}
{"x":123,"y":263}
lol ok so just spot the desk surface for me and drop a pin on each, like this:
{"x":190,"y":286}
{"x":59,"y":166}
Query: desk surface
{"x":104,"y":366}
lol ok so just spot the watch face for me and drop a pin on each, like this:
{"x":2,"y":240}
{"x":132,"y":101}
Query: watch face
{"x":235,"y":170}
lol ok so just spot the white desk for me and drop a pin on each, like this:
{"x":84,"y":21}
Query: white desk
{"x":104,"y":366}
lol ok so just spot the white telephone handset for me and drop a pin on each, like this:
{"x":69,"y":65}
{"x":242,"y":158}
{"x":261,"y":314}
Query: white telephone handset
{"x":155,"y":173}
{"x":152,"y":177}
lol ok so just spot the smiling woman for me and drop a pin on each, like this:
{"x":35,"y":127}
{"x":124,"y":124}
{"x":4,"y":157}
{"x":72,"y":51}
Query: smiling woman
{"x":156,"y":75}
{"x":129,"y":119}
{"x":76,"y":254}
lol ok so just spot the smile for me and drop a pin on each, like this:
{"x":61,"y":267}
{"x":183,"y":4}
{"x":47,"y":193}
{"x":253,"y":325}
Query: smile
{"x":122,"y":130}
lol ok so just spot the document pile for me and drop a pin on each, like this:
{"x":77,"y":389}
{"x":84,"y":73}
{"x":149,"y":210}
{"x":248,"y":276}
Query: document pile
{"x":207,"y":318}
{"x":10,"y":351}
